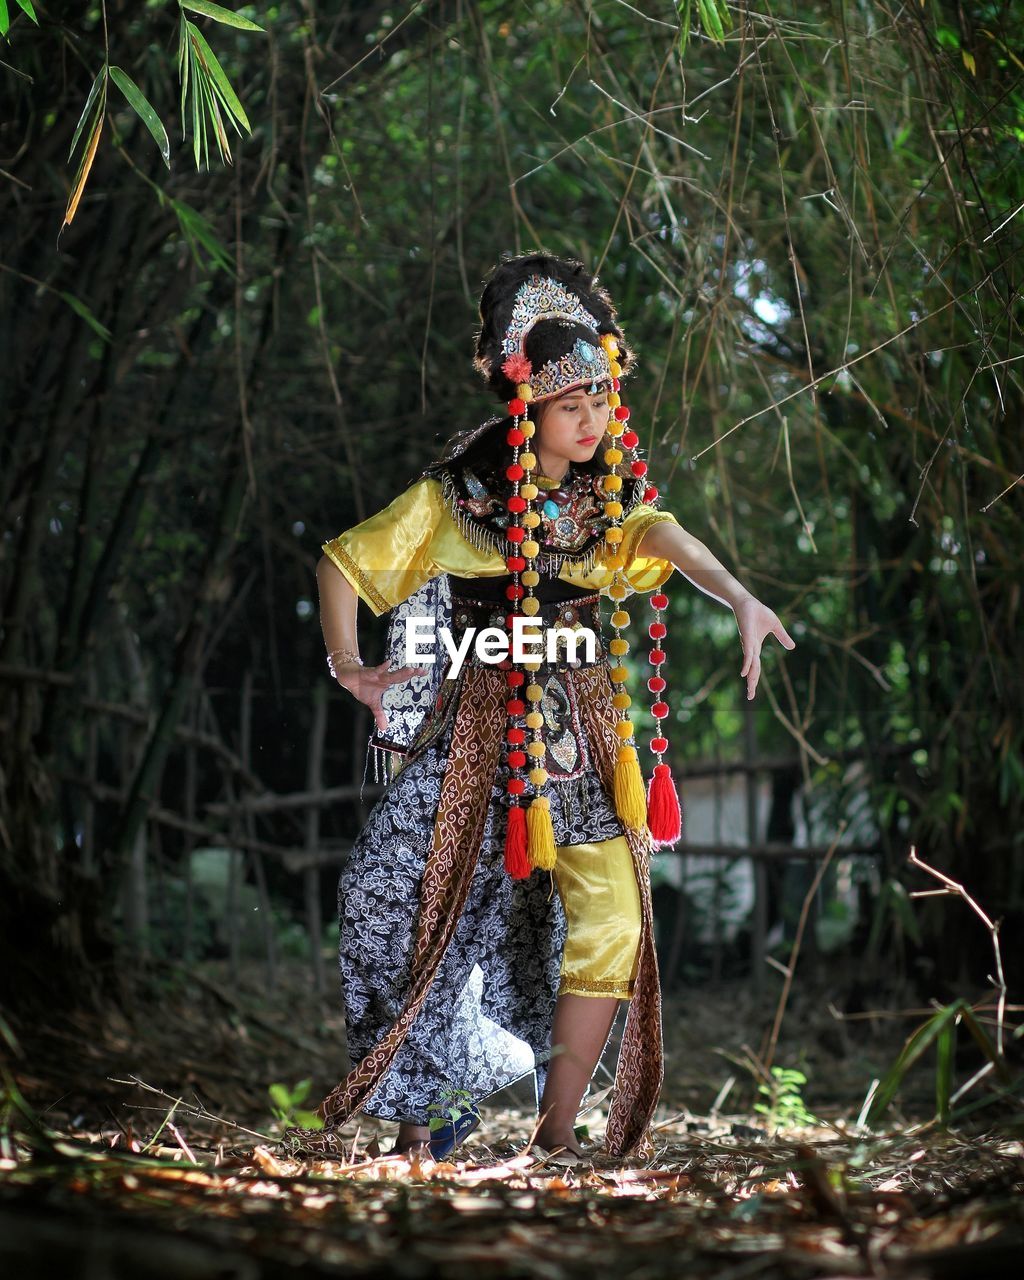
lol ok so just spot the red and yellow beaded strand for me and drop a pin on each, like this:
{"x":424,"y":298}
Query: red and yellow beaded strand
{"x":540,"y":831}
{"x":629,"y":792}
{"x":659,"y":809}
{"x":529,"y":839}
{"x":516,"y":862}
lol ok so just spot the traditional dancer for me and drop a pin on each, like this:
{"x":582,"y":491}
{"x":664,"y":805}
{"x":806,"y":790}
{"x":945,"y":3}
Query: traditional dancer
{"x":496,"y":907}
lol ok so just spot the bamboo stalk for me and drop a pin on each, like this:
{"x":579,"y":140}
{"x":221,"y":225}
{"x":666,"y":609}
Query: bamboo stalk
{"x":314,"y":772}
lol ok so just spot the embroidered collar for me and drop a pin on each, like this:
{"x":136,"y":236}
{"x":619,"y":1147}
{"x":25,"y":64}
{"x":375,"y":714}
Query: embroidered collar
{"x":476,"y":502}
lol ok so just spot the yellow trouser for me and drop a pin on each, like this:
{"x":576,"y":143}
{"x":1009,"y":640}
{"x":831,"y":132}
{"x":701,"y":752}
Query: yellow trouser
{"x":597,"y":885}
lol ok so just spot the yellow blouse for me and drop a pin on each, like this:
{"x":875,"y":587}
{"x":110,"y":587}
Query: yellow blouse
{"x":392,"y":554}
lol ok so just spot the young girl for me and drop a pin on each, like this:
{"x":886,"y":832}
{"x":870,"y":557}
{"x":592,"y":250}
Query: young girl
{"x":496,"y":907}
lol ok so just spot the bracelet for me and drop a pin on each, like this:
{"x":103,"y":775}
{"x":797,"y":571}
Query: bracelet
{"x":346,"y":656}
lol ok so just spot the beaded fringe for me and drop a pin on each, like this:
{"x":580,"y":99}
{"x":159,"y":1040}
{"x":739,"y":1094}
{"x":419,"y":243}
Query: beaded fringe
{"x":477,"y":535}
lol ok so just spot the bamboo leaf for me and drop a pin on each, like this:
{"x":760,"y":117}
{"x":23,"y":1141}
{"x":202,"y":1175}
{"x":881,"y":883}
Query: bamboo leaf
{"x":144,"y":111}
{"x":945,"y":1045}
{"x":211,"y":113}
{"x":79,"y":308}
{"x":198,"y":120}
{"x":26,"y":7}
{"x":986,"y":1044}
{"x":1010,"y":1094}
{"x":715,"y":21}
{"x":922,"y":1038}
{"x":199,"y":234}
{"x":685,"y":17}
{"x":85,"y":167}
{"x":710,"y":20}
{"x":5,"y":18}
{"x":220,"y":14}
{"x":184,"y":62}
{"x":97,"y":84}
{"x":215,"y":71}
{"x":227,"y":107}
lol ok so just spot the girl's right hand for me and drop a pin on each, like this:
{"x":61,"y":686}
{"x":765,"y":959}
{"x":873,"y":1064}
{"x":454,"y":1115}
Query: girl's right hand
{"x":367,"y":684}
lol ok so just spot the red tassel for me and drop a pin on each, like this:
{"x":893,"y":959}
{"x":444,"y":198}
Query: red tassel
{"x":663,"y":816}
{"x":517,"y":864}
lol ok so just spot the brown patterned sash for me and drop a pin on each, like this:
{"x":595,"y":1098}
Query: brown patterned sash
{"x":640,"y":1071}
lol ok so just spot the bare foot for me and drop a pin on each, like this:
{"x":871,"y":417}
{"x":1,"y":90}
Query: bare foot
{"x":408,"y":1148}
{"x":558,"y":1141}
{"x":411,"y":1137}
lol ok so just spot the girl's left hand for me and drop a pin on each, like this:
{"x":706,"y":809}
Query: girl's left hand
{"x":756,"y":622}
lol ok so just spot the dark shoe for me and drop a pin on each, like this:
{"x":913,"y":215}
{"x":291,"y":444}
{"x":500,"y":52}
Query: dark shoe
{"x":446,"y":1139}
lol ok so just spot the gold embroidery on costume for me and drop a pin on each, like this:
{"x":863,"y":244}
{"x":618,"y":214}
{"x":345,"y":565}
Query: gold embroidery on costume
{"x":637,"y":531}
{"x":571,"y":987}
{"x":344,"y":561}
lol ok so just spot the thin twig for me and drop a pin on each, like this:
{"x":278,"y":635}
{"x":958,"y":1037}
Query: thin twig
{"x":197,"y":1111}
{"x":805,"y":911}
{"x":958,"y":890}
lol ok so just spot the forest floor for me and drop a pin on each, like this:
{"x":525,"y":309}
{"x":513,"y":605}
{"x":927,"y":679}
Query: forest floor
{"x":144,"y":1143}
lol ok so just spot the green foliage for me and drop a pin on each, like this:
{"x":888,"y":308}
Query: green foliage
{"x":206,"y":95}
{"x":80,"y":309}
{"x":143,"y":110}
{"x":783,"y":1106}
{"x":286,"y":1106}
{"x":940,"y":1031}
{"x":5,"y":14}
{"x":219,"y":14}
{"x":449,"y":1105}
{"x":715,"y":21}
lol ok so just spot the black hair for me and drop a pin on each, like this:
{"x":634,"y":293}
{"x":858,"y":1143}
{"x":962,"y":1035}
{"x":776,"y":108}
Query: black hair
{"x":485,"y":451}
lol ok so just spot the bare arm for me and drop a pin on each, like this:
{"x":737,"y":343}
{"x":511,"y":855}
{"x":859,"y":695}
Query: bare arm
{"x":338,"y":607}
{"x":691,"y":557}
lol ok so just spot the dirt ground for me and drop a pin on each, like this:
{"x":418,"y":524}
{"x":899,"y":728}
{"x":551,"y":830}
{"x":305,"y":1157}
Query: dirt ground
{"x":143,"y":1142}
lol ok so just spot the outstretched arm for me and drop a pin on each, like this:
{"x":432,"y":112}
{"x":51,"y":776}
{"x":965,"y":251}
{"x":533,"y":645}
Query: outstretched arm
{"x":669,"y":541}
{"x":338,"y":604}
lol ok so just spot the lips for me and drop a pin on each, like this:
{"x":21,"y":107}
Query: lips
{"x":587,"y":440}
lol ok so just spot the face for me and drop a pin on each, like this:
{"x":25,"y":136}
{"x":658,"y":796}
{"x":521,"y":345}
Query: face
{"x":570,"y":428}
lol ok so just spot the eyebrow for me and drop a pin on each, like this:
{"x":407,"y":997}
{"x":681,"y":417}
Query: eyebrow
{"x":575,"y":395}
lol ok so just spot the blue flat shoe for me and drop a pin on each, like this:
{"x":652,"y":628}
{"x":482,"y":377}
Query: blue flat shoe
{"x":447,"y":1138}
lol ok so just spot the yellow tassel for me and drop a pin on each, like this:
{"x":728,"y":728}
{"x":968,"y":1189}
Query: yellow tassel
{"x":540,"y":834}
{"x":630,"y":798}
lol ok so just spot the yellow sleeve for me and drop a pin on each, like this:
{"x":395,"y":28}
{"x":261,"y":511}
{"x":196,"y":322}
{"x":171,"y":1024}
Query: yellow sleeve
{"x":644,"y":573}
{"x":388,"y":556}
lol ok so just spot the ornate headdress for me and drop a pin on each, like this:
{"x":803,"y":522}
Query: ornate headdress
{"x":521,"y":294}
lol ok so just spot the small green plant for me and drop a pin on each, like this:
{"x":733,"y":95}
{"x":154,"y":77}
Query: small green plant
{"x":286,"y":1104}
{"x":449,"y":1106}
{"x":784,"y":1107}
